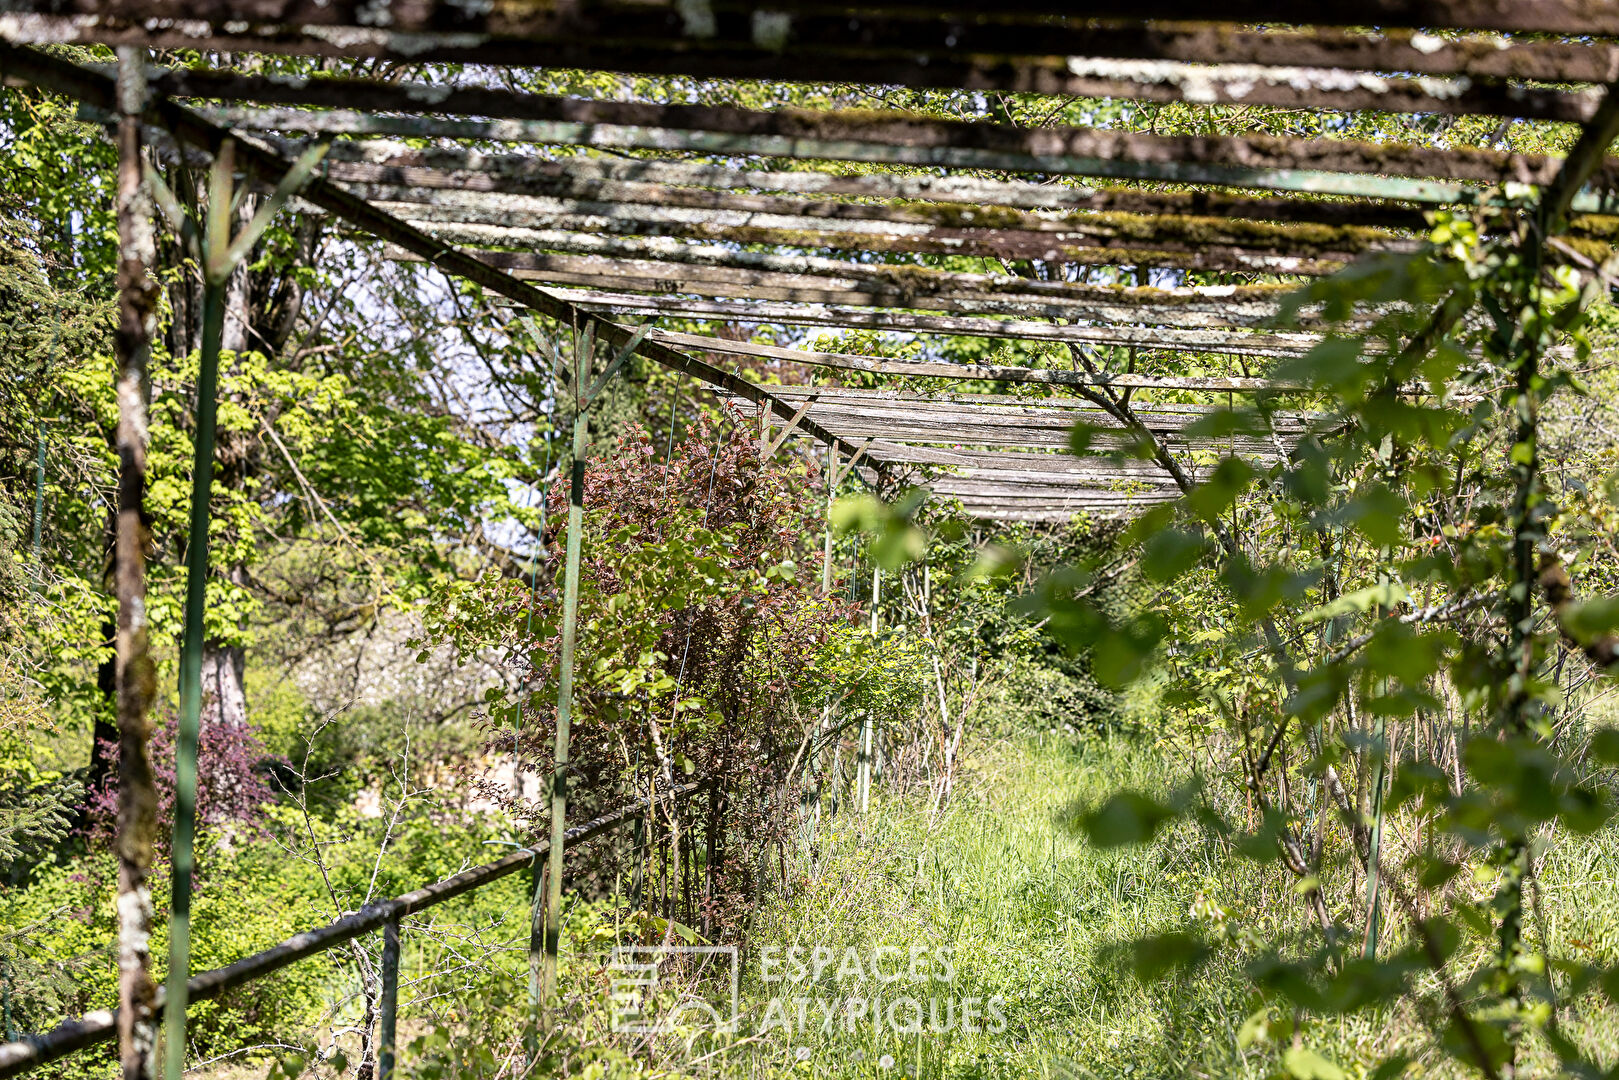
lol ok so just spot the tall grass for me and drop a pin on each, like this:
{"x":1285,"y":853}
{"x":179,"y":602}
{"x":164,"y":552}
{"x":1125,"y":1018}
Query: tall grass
{"x":1036,"y":917}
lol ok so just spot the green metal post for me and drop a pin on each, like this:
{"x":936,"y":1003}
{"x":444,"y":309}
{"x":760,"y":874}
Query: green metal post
{"x":185,"y":751}
{"x":864,"y":770}
{"x":1374,"y":846}
{"x":220,"y":254}
{"x":570,"y":618}
{"x":637,"y":876}
{"x":831,"y":486}
{"x":388,"y":1023}
{"x":1374,"y":897}
{"x":536,"y":961}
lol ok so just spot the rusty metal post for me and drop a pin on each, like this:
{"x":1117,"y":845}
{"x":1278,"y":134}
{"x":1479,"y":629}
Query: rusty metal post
{"x":536,"y":962}
{"x":831,"y":490}
{"x":863,"y":782}
{"x":570,"y":620}
{"x":388,"y":1025}
{"x":135,"y":675}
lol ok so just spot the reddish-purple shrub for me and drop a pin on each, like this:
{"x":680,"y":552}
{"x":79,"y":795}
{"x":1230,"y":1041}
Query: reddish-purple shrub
{"x":750,"y":654}
{"x":231,"y":786}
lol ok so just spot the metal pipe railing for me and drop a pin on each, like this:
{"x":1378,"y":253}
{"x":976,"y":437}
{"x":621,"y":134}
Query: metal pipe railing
{"x":102,"y":1025}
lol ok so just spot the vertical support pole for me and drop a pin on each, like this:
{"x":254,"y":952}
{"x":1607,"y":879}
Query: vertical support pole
{"x":831,"y":491}
{"x":639,"y":841}
{"x":764,"y":428}
{"x":864,"y":770}
{"x":134,"y":672}
{"x":570,"y":618}
{"x":536,"y":963}
{"x":1374,"y":898}
{"x":1374,"y":846}
{"x":876,"y":594}
{"x":388,"y":1025}
{"x":215,"y":278}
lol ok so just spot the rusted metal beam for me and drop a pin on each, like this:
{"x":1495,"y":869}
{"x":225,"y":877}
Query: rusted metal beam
{"x":985,"y":372}
{"x":189,"y":128}
{"x":1232,"y":342}
{"x":98,"y":1027}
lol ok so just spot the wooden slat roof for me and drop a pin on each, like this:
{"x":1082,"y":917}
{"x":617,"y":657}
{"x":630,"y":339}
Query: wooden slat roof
{"x":791,"y":218}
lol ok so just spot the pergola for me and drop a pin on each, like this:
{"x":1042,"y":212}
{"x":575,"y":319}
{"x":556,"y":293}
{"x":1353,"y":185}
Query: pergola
{"x":592,"y":212}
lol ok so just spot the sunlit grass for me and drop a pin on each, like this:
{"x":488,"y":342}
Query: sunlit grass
{"x":1036,"y":917}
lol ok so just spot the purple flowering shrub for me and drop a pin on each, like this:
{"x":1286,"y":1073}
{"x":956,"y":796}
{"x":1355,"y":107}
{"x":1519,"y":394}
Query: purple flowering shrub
{"x":232,"y":785}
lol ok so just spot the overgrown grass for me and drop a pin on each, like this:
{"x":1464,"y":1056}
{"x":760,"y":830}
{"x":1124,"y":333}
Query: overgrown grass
{"x":1041,"y":921}
{"x":1035,"y":921}
{"x":1032,"y":915}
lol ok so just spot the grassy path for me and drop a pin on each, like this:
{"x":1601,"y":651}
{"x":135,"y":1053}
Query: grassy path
{"x":1033,"y":918}
{"x":1026,"y":910}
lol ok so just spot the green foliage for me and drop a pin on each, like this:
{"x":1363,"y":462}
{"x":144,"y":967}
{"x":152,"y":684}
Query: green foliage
{"x":895,"y":539}
{"x":1383,"y":579}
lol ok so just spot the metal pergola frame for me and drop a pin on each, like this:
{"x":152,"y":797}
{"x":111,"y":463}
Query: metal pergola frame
{"x":503,"y":187}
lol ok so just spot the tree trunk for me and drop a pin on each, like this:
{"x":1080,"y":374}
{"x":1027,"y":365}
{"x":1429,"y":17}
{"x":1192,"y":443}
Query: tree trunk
{"x":223,"y":699}
{"x":104,"y":729}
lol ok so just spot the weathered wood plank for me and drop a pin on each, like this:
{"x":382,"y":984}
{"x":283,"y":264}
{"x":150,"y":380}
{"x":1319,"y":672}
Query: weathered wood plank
{"x":1045,"y":247}
{"x":991,"y":372}
{"x":814,"y":279}
{"x":1321,"y":166}
{"x":838,"y":395}
{"x":947,"y":226}
{"x":1237,"y":343}
{"x":586,"y":177}
{"x":654,"y":38}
